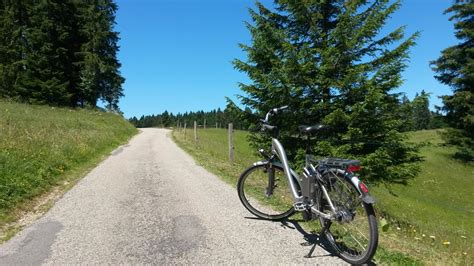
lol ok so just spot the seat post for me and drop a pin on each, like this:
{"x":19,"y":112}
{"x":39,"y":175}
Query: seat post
{"x":308,"y":145}
{"x":308,"y":151}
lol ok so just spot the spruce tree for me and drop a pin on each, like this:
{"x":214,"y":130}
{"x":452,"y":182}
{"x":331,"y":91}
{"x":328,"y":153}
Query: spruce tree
{"x":455,"y":67}
{"x":13,"y":24}
{"x":48,"y":60}
{"x":421,"y":111}
{"x":60,"y":52}
{"x":406,"y":114}
{"x":325,"y":60}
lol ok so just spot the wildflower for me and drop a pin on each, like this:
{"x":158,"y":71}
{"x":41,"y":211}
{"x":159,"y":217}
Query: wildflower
{"x":414,"y":230}
{"x":398,"y":228}
{"x":464,"y":253}
{"x":433,"y":237}
{"x":423,"y":235}
{"x":446,"y":243}
{"x":463,"y":237}
{"x":417,"y":238}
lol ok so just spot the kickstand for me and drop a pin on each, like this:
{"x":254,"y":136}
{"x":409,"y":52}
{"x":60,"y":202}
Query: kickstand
{"x":310,"y":254}
{"x":322,"y":233}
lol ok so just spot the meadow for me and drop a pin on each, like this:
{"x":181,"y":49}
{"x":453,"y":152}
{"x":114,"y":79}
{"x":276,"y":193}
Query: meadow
{"x":429,"y":220}
{"x":44,"y":147}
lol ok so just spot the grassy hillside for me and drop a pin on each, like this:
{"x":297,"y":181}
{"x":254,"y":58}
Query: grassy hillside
{"x":435,"y":212}
{"x":430,"y":219}
{"x":42,"y":147}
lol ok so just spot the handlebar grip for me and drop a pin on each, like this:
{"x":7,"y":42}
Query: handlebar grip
{"x":276,"y":110}
{"x":266,"y":127}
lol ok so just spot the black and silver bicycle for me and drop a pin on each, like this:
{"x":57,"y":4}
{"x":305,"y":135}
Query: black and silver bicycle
{"x":327,"y":190}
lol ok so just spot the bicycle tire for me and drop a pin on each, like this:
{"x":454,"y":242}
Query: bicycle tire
{"x":363,"y":220}
{"x":252,"y":193}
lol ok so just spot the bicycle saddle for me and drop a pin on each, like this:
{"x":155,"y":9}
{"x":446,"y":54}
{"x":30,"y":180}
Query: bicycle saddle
{"x":311,"y":129}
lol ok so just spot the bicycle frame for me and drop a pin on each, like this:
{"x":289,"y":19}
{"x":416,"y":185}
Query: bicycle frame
{"x":277,"y":149}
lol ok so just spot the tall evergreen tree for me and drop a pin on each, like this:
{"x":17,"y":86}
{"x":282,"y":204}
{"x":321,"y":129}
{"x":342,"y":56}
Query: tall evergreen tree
{"x":421,"y":111}
{"x":100,"y":76}
{"x":60,"y":52}
{"x":455,"y":67}
{"x":325,"y":60}
{"x":406,"y":114}
{"x":49,"y":62}
{"x":13,"y":24}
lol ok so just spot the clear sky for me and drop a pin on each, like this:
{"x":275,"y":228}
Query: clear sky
{"x":176,"y":54}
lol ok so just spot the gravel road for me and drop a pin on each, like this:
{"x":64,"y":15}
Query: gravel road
{"x":149,"y":203}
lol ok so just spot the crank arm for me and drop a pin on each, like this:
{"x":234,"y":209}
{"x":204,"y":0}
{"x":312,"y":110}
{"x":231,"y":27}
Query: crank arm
{"x":322,"y":214}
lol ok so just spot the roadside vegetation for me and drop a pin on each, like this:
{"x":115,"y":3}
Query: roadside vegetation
{"x":429,"y":220}
{"x":44,"y":147}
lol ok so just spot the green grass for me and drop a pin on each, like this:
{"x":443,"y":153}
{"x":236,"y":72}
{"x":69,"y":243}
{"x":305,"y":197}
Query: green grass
{"x":439,"y":202}
{"x":43,"y":147}
{"x":212,"y":151}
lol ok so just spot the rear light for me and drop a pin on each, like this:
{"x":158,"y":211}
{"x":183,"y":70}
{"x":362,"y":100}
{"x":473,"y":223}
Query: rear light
{"x":353,"y":168}
{"x":363,"y":187}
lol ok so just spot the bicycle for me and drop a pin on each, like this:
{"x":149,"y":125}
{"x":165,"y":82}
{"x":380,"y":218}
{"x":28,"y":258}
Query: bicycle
{"x":328,"y":191}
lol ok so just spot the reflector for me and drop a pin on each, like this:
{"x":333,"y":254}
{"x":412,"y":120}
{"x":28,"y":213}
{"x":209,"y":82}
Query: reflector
{"x":363,"y":187}
{"x":353,"y":168}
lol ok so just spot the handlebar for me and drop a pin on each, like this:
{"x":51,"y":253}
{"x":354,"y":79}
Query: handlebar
{"x":276,"y":110}
{"x":273,"y":111}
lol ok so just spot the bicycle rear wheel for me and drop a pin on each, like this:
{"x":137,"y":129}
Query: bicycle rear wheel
{"x":265,"y":192}
{"x":354,"y":235}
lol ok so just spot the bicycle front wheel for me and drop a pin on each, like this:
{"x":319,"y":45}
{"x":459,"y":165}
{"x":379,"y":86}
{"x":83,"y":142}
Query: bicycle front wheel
{"x":354,"y":235}
{"x":265,"y":192}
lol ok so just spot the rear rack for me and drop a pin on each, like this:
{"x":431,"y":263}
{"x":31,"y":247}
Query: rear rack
{"x":339,"y":162}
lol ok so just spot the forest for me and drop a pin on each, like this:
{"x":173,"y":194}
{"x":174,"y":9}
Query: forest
{"x":60,"y":53}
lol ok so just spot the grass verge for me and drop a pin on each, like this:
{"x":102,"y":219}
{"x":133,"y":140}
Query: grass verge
{"x":438,"y":203}
{"x":45,"y":149}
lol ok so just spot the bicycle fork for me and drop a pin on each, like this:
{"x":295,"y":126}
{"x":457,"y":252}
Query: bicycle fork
{"x":271,"y":182}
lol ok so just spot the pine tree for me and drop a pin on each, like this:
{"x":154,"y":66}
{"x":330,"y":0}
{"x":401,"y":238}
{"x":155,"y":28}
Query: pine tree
{"x":13,"y":25}
{"x":406,"y":114}
{"x":455,"y":67}
{"x":324,"y":59}
{"x":48,"y":60}
{"x":421,"y":111}
{"x":60,"y":52}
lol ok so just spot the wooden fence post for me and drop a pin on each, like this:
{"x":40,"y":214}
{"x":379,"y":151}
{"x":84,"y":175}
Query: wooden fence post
{"x":185,"y":130}
{"x":204,"y":123}
{"x":195,"y":132}
{"x":231,"y":143}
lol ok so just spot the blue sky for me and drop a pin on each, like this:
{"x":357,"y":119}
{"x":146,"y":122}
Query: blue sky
{"x":176,"y":54}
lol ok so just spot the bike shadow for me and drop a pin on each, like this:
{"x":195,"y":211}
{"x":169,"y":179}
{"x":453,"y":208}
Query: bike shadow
{"x":312,"y":239}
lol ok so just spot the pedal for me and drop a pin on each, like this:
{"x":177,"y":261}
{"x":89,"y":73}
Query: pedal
{"x":300,"y":206}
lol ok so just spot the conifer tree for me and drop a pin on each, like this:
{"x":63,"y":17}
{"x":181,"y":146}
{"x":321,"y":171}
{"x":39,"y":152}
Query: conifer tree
{"x":455,"y":67}
{"x":421,"y":111}
{"x":325,"y":60}
{"x":100,"y":76}
{"x":60,"y":52}
{"x":406,"y":114}
{"x":13,"y":25}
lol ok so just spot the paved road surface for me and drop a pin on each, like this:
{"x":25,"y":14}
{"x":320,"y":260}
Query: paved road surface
{"x":149,"y":203}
